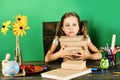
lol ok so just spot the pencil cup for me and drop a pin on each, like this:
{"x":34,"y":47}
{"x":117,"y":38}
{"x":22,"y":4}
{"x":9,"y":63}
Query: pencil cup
{"x":112,"y":60}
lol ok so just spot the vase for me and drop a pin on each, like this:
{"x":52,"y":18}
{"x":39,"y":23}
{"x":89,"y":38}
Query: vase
{"x":18,"y":55}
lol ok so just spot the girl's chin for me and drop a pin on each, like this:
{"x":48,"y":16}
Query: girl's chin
{"x":72,"y":35}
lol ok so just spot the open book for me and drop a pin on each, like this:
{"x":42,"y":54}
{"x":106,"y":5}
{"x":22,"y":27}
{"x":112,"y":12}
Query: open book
{"x":68,"y":70}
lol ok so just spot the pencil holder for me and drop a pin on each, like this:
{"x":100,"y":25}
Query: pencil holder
{"x":112,"y":60}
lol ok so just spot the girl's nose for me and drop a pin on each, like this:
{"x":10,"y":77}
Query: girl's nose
{"x":71,"y":27}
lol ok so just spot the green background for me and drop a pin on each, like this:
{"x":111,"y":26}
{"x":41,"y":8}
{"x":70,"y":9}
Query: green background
{"x":103,"y":18}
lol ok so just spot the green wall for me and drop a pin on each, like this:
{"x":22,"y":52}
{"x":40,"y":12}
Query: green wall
{"x":102,"y":16}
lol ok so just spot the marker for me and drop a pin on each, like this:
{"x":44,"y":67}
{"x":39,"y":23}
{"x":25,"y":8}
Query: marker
{"x":113,"y":41}
{"x":97,"y":70}
{"x":45,"y":68}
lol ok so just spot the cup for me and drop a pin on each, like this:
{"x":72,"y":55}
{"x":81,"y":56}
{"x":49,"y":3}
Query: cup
{"x":112,"y":60}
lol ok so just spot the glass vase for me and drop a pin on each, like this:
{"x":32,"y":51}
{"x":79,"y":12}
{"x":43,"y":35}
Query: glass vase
{"x":18,"y":55}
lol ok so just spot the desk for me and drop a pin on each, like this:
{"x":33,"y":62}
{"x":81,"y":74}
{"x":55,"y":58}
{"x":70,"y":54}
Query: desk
{"x":107,"y":75}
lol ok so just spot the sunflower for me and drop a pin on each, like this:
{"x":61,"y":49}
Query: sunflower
{"x":5,"y":27}
{"x":19,"y":28}
{"x":21,"y":19}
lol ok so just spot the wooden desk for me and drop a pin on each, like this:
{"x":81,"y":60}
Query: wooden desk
{"x":107,"y":75}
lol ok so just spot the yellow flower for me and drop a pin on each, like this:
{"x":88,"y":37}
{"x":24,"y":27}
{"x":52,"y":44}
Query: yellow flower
{"x":5,"y":27}
{"x":19,"y":28}
{"x":21,"y":19}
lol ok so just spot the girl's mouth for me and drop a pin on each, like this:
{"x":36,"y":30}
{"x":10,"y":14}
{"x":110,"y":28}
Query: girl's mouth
{"x":71,"y":32}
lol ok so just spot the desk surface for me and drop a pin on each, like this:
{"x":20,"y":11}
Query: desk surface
{"x":107,"y":75}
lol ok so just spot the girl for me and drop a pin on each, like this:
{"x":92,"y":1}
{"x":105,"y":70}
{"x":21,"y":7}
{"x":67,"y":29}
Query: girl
{"x":71,"y":26}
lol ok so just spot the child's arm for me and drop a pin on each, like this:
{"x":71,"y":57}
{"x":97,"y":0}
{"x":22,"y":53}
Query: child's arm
{"x":96,"y":55}
{"x":85,"y":54}
{"x":50,"y":56}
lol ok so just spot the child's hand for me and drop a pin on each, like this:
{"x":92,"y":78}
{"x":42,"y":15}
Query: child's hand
{"x":65,"y":53}
{"x":83,"y":54}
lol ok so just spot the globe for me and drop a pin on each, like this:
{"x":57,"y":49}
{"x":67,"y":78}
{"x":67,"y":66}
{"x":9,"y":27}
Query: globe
{"x":12,"y":68}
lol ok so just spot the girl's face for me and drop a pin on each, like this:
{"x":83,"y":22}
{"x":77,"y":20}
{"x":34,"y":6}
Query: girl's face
{"x":70,"y":26}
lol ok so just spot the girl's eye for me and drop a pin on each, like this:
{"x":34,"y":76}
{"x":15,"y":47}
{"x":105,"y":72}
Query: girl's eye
{"x":74,"y":24}
{"x":67,"y":25}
